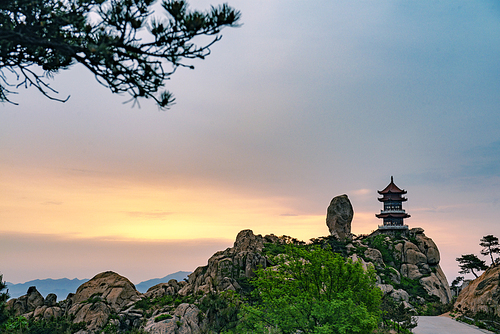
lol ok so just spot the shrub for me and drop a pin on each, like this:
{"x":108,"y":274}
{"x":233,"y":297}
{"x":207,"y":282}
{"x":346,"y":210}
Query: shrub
{"x":162,"y":317}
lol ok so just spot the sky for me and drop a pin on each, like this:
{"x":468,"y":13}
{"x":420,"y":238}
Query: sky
{"x":305,"y":101}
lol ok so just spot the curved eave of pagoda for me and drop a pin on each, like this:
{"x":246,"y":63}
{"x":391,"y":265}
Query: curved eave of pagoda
{"x":388,"y":190}
{"x":398,"y":199}
{"x":392,"y":188}
{"x":393,"y":215}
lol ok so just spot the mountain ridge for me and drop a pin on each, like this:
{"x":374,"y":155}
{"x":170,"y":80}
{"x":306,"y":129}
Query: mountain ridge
{"x":63,"y":286}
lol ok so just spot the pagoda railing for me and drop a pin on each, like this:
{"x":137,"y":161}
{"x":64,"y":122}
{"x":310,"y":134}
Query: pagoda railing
{"x":393,"y":227}
{"x":392,"y":211}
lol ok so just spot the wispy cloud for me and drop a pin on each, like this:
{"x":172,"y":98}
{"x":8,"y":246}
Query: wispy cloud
{"x":52,"y":203}
{"x":149,"y":214}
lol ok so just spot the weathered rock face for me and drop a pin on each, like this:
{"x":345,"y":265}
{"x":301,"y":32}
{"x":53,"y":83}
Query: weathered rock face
{"x":339,"y":217}
{"x":482,"y":294}
{"x":414,"y":256}
{"x":117,"y":291}
{"x":184,"y":321}
{"x":26,"y":304}
{"x":225,"y":268}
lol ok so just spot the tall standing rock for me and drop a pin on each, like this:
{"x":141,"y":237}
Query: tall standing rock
{"x":339,"y":217}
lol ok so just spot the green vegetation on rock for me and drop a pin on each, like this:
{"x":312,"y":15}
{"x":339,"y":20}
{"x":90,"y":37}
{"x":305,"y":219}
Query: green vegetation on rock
{"x":312,"y":291}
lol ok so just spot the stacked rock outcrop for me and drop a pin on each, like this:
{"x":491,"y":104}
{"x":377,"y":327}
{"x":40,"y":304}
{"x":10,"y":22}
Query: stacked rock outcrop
{"x":412,"y":255}
{"x":226,"y":267}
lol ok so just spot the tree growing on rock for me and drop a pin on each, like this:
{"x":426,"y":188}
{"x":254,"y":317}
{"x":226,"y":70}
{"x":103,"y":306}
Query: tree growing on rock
{"x":3,"y":299}
{"x":313,"y":291}
{"x":469,"y":262}
{"x":490,"y":246}
{"x":118,"y":41}
{"x":457,"y":282}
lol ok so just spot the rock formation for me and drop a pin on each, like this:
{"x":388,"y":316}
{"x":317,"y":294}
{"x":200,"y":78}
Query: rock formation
{"x":482,"y":294}
{"x":226,"y":267}
{"x":109,"y":293}
{"x":110,"y":301}
{"x":411,"y":255}
{"x":339,"y":217}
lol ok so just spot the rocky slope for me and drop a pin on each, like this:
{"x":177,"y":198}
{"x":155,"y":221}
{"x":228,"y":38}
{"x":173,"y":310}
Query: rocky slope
{"x":407,"y":267}
{"x":482,"y":295}
{"x":111,"y":300}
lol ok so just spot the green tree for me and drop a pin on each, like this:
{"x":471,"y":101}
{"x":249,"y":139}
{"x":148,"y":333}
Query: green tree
{"x":313,"y":291}
{"x":119,"y":41}
{"x":3,"y":299}
{"x":455,"y":284}
{"x":397,"y":315}
{"x":221,"y":310}
{"x":490,"y":246}
{"x":469,"y":262}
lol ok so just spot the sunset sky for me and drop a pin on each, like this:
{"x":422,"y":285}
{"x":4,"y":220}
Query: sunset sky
{"x":304,"y":102}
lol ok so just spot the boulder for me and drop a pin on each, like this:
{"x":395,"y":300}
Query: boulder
{"x":374,"y":255}
{"x":364,"y":264}
{"x":184,"y":321}
{"x":386,"y":288}
{"x":428,"y":248}
{"x":411,"y":271}
{"x":51,"y":300}
{"x":171,"y":288}
{"x":400,"y":295}
{"x":339,"y":217}
{"x":482,"y":294}
{"x":415,"y":257}
{"x":95,"y":315}
{"x":117,"y":291}
{"x":47,"y":312}
{"x":437,"y":285}
{"x":26,"y":303}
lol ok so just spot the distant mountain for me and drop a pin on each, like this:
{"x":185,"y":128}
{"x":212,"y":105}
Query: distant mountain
{"x":61,"y":287}
{"x":144,"y":286}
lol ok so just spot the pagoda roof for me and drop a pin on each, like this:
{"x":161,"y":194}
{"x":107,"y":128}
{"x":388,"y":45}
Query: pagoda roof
{"x":392,"y":215}
{"x":392,"y":188}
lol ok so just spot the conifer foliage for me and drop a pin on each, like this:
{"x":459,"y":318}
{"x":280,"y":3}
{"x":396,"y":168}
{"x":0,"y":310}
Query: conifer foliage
{"x":490,"y":246}
{"x":127,"y":47}
{"x":469,"y":262}
{"x":3,"y":299}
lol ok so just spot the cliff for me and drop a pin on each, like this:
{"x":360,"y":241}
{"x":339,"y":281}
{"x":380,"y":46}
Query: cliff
{"x":482,"y":295}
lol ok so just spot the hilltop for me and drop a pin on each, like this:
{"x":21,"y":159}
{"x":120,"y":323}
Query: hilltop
{"x":406,"y":264}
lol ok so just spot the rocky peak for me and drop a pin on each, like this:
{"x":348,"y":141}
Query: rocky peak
{"x":226,"y":269}
{"x":246,"y":241}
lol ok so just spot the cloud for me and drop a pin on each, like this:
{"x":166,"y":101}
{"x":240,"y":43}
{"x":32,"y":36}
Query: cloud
{"x":52,"y":203}
{"x":482,"y":161}
{"x":149,"y":214}
{"x":363,"y":192}
{"x":289,"y":215}
{"x":36,"y":256}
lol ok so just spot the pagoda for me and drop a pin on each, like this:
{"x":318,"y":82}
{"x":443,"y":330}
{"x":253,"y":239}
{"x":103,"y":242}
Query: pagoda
{"x":393,"y":213}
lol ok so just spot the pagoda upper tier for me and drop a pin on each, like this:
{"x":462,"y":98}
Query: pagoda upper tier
{"x":393,"y":213}
{"x":392,"y":193}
